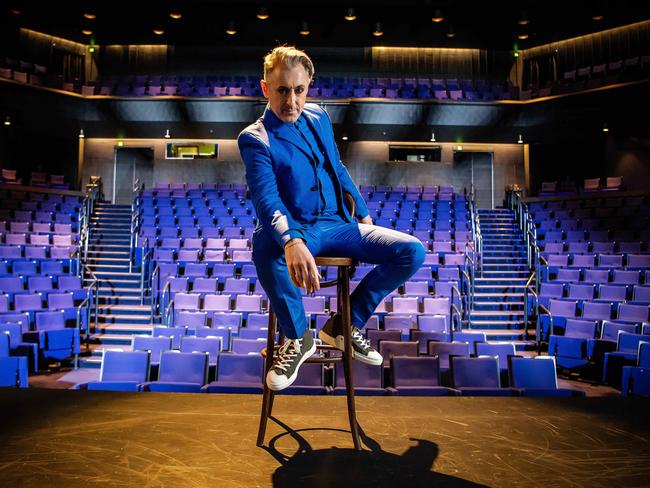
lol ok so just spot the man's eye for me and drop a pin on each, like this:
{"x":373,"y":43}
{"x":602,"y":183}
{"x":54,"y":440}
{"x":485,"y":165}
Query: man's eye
{"x":299,"y":90}
{"x":282,"y":91}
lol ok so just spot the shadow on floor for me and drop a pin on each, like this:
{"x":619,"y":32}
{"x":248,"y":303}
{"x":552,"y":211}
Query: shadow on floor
{"x":372,"y":467}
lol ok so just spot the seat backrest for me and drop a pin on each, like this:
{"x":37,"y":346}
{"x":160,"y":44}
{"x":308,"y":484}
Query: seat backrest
{"x":629,"y":343}
{"x":156,"y":345}
{"x":187,"y":367}
{"x":445,"y":349}
{"x":480,"y":372}
{"x":585,"y":329}
{"x":118,"y":365}
{"x":537,"y":372}
{"x":500,"y":350}
{"x":633,"y":313}
{"x":245,"y":368}
{"x":414,"y":371}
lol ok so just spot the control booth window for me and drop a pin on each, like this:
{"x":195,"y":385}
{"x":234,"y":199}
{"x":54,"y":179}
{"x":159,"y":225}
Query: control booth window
{"x":191,"y":150}
{"x":414,"y":153}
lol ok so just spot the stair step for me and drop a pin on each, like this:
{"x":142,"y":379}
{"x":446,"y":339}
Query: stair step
{"x":108,"y":291}
{"x":126,"y":328}
{"x":497,"y":324}
{"x":494,"y":305}
{"x":120,"y":299}
{"x":136,"y":309}
{"x":111,"y":338}
{"x":105,"y":318}
{"x":107,"y":260}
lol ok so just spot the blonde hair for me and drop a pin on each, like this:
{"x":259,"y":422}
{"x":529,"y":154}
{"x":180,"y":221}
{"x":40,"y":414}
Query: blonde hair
{"x":289,"y":56}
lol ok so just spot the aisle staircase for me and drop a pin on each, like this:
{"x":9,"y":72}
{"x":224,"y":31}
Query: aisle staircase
{"x":498,"y":305}
{"x":120,"y":313}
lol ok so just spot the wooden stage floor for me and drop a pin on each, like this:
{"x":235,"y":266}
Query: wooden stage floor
{"x":62,"y":438}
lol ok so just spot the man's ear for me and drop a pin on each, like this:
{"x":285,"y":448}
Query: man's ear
{"x":265,"y":88}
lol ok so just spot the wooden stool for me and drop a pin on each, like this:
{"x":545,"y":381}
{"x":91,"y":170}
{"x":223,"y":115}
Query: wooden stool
{"x":342,"y":282}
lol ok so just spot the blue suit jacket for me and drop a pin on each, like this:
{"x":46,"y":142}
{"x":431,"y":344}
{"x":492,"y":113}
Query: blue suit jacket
{"x":282,"y":179}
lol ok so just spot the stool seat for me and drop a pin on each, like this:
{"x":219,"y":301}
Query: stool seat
{"x":333,"y":261}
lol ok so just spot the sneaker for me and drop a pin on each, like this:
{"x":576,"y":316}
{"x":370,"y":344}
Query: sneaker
{"x":332,"y":334}
{"x":290,"y":356}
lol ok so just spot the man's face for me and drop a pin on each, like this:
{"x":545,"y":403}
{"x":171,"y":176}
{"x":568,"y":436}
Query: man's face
{"x":286,"y":90}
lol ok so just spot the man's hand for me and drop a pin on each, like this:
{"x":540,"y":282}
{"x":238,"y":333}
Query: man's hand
{"x":301,"y":266}
{"x":366,"y":220}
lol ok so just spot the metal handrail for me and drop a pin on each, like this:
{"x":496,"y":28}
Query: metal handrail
{"x":144,"y":266}
{"x":170,"y":307}
{"x":538,"y":328}
{"x":526,"y":290}
{"x":93,"y":285}
{"x":453,"y":306}
{"x":138,"y":188}
{"x":166,"y":289}
{"x":154,"y":297}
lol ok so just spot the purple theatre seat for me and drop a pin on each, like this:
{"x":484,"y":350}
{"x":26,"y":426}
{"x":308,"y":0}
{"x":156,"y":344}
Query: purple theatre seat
{"x":314,"y":304}
{"x":638,"y":261}
{"x":175,"y":333}
{"x":566,"y":275}
{"x":309,"y":381}
{"x":121,"y":371}
{"x":13,"y":372}
{"x":184,"y":372}
{"x":417,"y":376}
{"x":55,"y":340}
{"x":471,"y":337}
{"x":636,"y":379}
{"x":155,"y":346}
{"x":238,"y":373}
{"x":11,"y":285}
{"x":626,"y":354}
{"x":190,"y":319}
{"x":610,"y":260}
{"x":478,"y":376}
{"x":583,"y":261}
{"x":406,"y":305}
{"x":403,"y":323}
{"x":376,"y":335}
{"x":14,"y":326}
{"x":187,"y":301}
{"x":633,"y":314}
{"x":368,"y":380}
{"x":231,"y":320}
{"x":443,"y":350}
{"x":641,"y":294}
{"x":257,"y":320}
{"x":596,"y":276}
{"x":216,"y":303}
{"x":235,"y":286}
{"x":500,"y":350}
{"x":570,"y":349}
{"x":626,"y":277}
{"x":553,"y":319}
{"x":248,"y":303}
{"x":582,"y":291}
{"x":204,"y":286}
{"x":388,"y":349}
{"x":247,"y":346}
{"x":537,"y":377}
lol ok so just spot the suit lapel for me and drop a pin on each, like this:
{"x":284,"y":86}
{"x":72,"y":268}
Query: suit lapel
{"x":285,"y":132}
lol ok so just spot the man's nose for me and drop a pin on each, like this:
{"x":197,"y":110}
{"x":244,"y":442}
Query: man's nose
{"x":291,"y":98}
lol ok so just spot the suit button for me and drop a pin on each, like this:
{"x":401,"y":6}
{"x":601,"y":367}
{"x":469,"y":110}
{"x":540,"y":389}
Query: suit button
{"x":314,"y":188}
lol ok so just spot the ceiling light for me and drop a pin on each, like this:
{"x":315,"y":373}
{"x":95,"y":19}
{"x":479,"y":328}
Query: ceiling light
{"x":344,"y":137}
{"x":231,"y":30}
{"x":605,"y":128}
{"x":523,"y":18}
{"x":304,"y":30}
{"x":158,"y":32}
{"x":597,"y":17}
{"x":167,"y":134}
{"x":175,"y":15}
{"x":90,"y":15}
{"x":120,"y":143}
{"x":516,"y":54}
{"x":433,"y":137}
{"x":350,"y":15}
{"x":459,"y":148}
{"x":262,"y":14}
{"x":451,"y":33}
{"x":522,"y":35}
{"x":378,"y":30}
{"x":87,"y":32}
{"x":91,"y":50}
{"x":16,"y":11}
{"x":437,"y":16}
{"x":520,"y":140}
{"x":7,"y":120}
{"x":81,"y":134}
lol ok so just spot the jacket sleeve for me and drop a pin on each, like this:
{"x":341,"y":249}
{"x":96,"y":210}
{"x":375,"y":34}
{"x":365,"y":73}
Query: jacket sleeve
{"x":361,"y":209}
{"x":262,"y":183}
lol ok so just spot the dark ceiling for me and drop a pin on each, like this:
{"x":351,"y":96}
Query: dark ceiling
{"x":484,"y":24}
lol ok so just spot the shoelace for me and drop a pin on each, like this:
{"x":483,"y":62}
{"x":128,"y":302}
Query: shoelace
{"x":359,"y":340}
{"x":286,"y":354}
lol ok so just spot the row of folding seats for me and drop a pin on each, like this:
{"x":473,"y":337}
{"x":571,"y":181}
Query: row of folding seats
{"x":22,"y":239}
{"x":609,"y":261}
{"x":596,"y":247}
{"x":48,"y":228}
{"x":614,"y":293}
{"x":13,"y":253}
{"x":589,"y":213}
{"x":577,"y":203}
{"x":592,"y":236}
{"x":64,"y":217}
{"x":47,"y":266}
{"x":597,"y":275}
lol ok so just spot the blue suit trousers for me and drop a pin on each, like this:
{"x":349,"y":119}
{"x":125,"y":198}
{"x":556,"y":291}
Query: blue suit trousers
{"x":397,"y":256}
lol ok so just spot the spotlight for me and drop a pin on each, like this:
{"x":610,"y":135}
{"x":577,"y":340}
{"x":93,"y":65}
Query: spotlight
{"x":90,"y":15}
{"x":231,"y":30}
{"x":167,"y":134}
{"x":158,"y":32}
{"x":262,"y":14}
{"x":120,"y":143}
{"x":437,"y":16}
{"x":344,"y":137}
{"x":16,"y":11}
{"x":451,"y":33}
{"x":350,"y":15}
{"x":605,"y":128}
{"x":520,"y":140}
{"x":597,"y":16}
{"x":433,"y":137}
{"x":175,"y":15}
{"x":81,"y":134}
{"x":7,"y":120}
{"x":87,"y":32}
{"x":304,"y":30}
{"x":523,"y":18}
{"x":522,"y":36}
{"x":378,"y":30}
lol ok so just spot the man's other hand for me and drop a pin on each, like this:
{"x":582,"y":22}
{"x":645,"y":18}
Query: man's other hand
{"x":301,"y":266}
{"x":366,"y":220}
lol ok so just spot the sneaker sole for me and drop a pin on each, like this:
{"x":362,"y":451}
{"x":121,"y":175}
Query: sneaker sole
{"x":340,"y":345}
{"x":293,"y":377}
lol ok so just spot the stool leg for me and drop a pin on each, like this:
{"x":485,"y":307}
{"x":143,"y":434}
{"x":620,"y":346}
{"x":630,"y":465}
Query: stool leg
{"x":267,"y":395}
{"x":344,"y":300}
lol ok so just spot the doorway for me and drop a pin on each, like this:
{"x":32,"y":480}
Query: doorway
{"x":478,"y":168}
{"x":131,"y":164}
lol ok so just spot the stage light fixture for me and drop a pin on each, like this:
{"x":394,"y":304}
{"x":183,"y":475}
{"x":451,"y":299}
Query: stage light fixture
{"x":167,"y":134}
{"x":520,"y":140}
{"x":433,"y":137}
{"x":16,"y":11}
{"x":231,"y":30}
{"x":7,"y":120}
{"x":304,"y":29}
{"x":350,"y":15}
{"x":451,"y":33}
{"x":176,"y":15}
{"x":90,"y":15}
{"x":344,"y":137}
{"x":437,"y":16}
{"x":378,"y":30}
{"x":81,"y":134}
{"x":597,"y":16}
{"x":522,"y":36}
{"x":87,"y":32}
{"x":262,"y":13}
{"x":158,"y":32}
{"x":605,"y":128}
{"x":523,"y":18}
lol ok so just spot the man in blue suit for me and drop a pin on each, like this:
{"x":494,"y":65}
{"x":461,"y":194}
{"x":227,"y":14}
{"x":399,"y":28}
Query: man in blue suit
{"x":297,"y":183}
